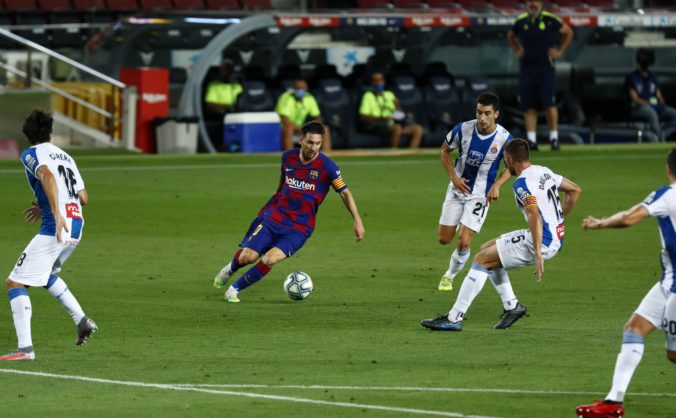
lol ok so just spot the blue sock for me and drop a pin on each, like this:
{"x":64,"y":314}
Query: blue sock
{"x":253,"y":275}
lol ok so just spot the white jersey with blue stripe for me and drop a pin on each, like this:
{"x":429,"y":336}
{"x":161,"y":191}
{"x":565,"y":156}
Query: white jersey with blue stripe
{"x":662,"y":204}
{"x":68,"y":183}
{"x":538,"y":185}
{"x":480,"y":155}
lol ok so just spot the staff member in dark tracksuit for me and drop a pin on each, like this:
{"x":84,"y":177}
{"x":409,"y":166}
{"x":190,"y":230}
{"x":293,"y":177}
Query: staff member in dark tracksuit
{"x":533,"y":39}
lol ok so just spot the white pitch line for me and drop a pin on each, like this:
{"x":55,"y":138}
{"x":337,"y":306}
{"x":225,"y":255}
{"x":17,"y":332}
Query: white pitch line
{"x":242,"y":394}
{"x":415,"y":389}
{"x":387,"y":161}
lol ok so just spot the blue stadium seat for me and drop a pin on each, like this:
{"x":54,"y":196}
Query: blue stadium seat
{"x":411,"y":99}
{"x":444,"y":107}
{"x":255,"y":98}
{"x":474,"y":86}
{"x":337,"y":110}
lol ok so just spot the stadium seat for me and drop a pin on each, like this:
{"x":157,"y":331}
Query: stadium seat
{"x":600,"y":3}
{"x":222,"y":4}
{"x":337,"y":110}
{"x":374,"y":4}
{"x":474,"y":86}
{"x":410,"y":4}
{"x":21,"y":5}
{"x":256,"y":4}
{"x":119,"y":5}
{"x":515,"y":4}
{"x":411,"y":99}
{"x":55,"y":5}
{"x":156,"y":4}
{"x":473,"y":4}
{"x":88,"y":5}
{"x":444,"y":107}
{"x":255,"y":98}
{"x":189,"y":4}
{"x":442,"y":3}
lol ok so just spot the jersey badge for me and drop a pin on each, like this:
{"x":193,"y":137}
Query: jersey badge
{"x":314,"y":174}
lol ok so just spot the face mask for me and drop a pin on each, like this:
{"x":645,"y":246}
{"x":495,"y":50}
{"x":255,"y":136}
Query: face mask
{"x":299,"y":93}
{"x":379,"y":88}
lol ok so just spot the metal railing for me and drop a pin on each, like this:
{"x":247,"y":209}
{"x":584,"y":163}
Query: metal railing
{"x":120,"y":126}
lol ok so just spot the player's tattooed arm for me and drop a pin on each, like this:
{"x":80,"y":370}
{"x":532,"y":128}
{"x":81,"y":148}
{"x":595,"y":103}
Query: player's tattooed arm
{"x":535,"y":227}
{"x":571,"y":194}
{"x":49,"y":186}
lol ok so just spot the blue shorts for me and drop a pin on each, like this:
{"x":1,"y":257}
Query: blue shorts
{"x":537,"y":87}
{"x":268,"y":234}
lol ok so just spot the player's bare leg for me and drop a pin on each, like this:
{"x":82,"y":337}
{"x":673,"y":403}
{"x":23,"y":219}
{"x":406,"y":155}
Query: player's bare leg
{"x":552,"y":114}
{"x":242,"y":257}
{"x":255,"y":273}
{"x":458,"y":258}
{"x":530,"y":120}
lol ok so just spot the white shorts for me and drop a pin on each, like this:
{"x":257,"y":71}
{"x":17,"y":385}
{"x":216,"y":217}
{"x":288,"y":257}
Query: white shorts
{"x":515,"y":249}
{"x":670,"y":322}
{"x":42,"y":257}
{"x":469,"y":211}
{"x":652,"y":305}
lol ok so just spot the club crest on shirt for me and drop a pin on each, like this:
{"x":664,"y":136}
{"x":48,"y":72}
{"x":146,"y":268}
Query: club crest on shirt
{"x":493,"y":150}
{"x":314,"y":174}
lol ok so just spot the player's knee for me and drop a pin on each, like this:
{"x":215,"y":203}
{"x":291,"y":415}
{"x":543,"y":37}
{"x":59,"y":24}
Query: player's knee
{"x":671,"y":355}
{"x":247,"y":257}
{"x":11,"y":284}
{"x":445,"y":239}
{"x":270,"y":259}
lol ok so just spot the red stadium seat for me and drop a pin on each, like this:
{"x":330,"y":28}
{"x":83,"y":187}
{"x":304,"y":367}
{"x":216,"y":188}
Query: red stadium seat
{"x":222,"y":4}
{"x":189,"y":4}
{"x":122,"y":4}
{"x":21,"y":5}
{"x":507,"y":3}
{"x":569,"y":3}
{"x":256,"y":4}
{"x":472,"y":3}
{"x":600,"y":3}
{"x":374,"y":4}
{"x":156,"y":4}
{"x":442,"y":3}
{"x":53,"y":5}
{"x":410,"y":4}
{"x":87,"y":5}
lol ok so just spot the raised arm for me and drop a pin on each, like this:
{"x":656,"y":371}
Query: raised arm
{"x":535,"y":227}
{"x":351,"y":207}
{"x":621,"y":219}
{"x":49,"y":186}
{"x":571,"y":193}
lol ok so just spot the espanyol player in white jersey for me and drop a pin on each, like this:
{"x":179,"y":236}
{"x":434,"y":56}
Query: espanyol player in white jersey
{"x":59,"y":189}
{"x":658,"y":307}
{"x":473,"y":183}
{"x":537,"y":195}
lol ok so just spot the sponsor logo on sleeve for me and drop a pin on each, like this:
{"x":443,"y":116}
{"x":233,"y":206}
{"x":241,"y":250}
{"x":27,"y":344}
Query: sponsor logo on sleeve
{"x":648,"y":200}
{"x":30,"y":162}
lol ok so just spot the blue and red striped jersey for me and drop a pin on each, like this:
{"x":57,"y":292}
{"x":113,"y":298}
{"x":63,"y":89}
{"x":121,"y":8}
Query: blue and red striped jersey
{"x":303,"y":188}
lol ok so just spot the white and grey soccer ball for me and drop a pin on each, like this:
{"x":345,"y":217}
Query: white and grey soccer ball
{"x":298,"y":285}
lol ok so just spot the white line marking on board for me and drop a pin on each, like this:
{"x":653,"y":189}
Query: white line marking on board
{"x":415,"y":389}
{"x":242,"y":394}
{"x":226,"y":165}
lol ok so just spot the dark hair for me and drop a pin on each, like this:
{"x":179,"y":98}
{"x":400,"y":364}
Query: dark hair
{"x":645,"y":57}
{"x":489,"y":98}
{"x":38,"y":126}
{"x":671,"y":161}
{"x":518,"y":149}
{"x":313,"y":127}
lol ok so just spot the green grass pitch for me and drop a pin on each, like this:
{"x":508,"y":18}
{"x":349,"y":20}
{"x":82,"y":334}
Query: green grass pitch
{"x":159,"y":228}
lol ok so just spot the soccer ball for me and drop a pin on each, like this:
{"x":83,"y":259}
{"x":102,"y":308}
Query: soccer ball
{"x":298,"y":285}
